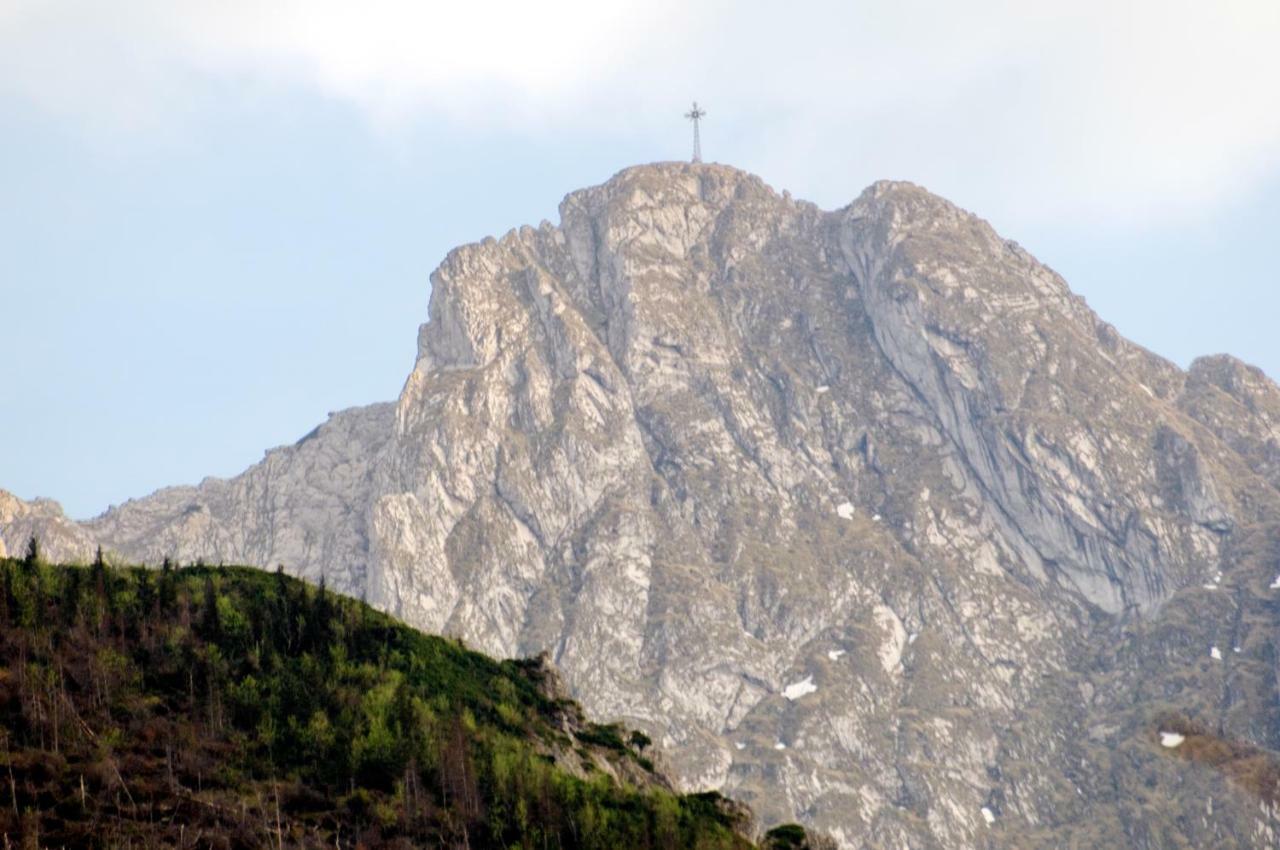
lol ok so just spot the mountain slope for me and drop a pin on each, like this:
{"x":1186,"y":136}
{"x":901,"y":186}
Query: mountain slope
{"x":230,"y":708}
{"x":852,"y":510}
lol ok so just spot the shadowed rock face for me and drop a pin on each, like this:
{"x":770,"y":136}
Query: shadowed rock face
{"x":865,"y":515}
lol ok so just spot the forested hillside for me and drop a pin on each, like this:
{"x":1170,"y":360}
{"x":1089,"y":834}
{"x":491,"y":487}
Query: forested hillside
{"x":228,"y":707}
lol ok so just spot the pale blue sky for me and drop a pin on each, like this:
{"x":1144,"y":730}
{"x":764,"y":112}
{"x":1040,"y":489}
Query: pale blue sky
{"x":217,"y":224}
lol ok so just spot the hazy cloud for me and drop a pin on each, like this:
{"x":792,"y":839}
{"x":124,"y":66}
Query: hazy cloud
{"x":1103,"y":110}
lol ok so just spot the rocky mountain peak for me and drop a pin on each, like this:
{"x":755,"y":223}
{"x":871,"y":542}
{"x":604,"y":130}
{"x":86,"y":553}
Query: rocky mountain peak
{"x":863,"y":514}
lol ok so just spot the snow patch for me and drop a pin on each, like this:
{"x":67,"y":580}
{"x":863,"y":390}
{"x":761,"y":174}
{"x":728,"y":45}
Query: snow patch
{"x":1215,"y":653}
{"x":890,"y":650}
{"x":822,"y":389}
{"x":779,"y":746}
{"x":738,"y":745}
{"x":1275,"y":584}
{"x":1170,"y":740}
{"x":988,"y":815}
{"x":835,"y":654}
{"x":845,"y":510}
{"x":875,"y":517}
{"x":798,"y":689}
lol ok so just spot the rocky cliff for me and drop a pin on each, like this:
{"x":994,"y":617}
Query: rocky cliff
{"x":865,"y":515}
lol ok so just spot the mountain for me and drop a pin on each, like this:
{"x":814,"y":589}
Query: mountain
{"x":861,"y":514}
{"x":231,"y":708}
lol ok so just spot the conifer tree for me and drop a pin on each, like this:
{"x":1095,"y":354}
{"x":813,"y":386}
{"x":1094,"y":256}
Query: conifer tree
{"x":32,"y":557}
{"x":71,"y":595}
{"x":318,"y":628}
{"x":8,"y":599}
{"x":168,"y":597}
{"x":102,"y":582}
{"x":210,"y":624}
{"x":146,"y":595}
{"x":283,"y":621}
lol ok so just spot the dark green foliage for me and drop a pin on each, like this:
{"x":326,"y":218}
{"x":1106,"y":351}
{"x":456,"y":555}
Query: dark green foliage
{"x":33,"y":553}
{"x":793,"y":836}
{"x":210,"y":623}
{"x":786,"y":837}
{"x":70,"y":603}
{"x":8,"y":600}
{"x":253,"y":710}
{"x":603,"y":735}
{"x":145,"y":592}
{"x":103,"y":585}
{"x":168,"y":593}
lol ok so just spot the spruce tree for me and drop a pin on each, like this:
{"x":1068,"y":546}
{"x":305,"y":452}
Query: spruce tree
{"x":318,"y":627}
{"x":32,"y":557}
{"x":102,"y":581}
{"x":210,"y":623}
{"x":168,"y":597}
{"x":283,"y":621}
{"x":71,"y":595}
{"x":8,"y":599}
{"x":146,"y":595}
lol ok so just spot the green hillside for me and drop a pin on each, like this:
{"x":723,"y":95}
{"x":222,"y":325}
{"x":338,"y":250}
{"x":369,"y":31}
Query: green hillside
{"x":229,"y":707}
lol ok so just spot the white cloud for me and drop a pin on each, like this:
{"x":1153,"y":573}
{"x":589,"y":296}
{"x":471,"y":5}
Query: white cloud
{"x":1084,"y":109}
{"x":390,"y":57}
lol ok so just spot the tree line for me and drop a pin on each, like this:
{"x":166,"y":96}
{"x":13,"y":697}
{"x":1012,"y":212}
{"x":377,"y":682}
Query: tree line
{"x":232,"y":707}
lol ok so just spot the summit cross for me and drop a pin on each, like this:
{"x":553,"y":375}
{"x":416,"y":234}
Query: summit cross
{"x":696,"y":115}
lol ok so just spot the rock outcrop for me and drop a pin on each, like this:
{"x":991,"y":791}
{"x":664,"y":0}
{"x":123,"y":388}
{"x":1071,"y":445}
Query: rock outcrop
{"x":59,"y":537}
{"x":863,"y":514}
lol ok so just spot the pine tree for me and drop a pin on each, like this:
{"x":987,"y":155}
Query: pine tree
{"x":168,"y":598}
{"x":71,"y":596}
{"x":32,"y":558}
{"x":319,"y":628}
{"x":210,"y":623}
{"x":146,"y":595}
{"x":102,"y":582}
{"x":8,"y":599}
{"x":283,"y":621}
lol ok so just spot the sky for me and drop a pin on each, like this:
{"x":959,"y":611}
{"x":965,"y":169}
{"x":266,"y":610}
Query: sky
{"x":218,"y":217}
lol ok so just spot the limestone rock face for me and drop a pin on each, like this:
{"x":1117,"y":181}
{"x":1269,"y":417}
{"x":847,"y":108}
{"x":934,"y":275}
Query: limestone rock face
{"x":304,"y":505}
{"x":863,"y":514}
{"x":60,"y":538}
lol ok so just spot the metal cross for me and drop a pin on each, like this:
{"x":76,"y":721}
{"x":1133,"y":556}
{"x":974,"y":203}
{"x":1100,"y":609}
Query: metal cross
{"x":695,"y":116}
